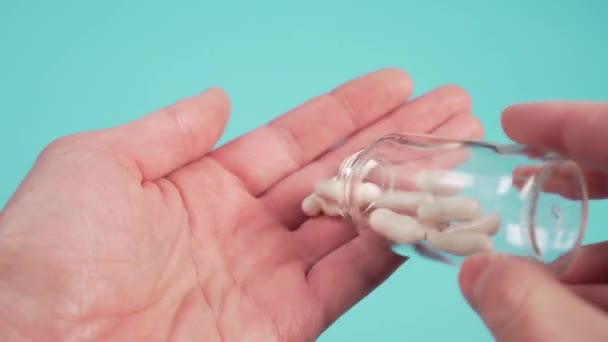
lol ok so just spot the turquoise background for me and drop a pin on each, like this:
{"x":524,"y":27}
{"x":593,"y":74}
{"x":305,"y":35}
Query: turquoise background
{"x":68,"y":66}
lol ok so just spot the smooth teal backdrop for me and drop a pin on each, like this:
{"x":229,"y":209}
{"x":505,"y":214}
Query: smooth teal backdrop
{"x":67,"y":66}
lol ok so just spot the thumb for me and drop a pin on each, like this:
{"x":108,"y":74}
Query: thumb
{"x":520,"y":301}
{"x":166,"y":139}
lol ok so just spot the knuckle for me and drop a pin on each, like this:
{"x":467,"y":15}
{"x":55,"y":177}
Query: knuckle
{"x":61,"y":144}
{"x":68,"y":143}
{"x":185,"y":134}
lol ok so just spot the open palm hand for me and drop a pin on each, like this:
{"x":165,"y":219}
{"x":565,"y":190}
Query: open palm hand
{"x":143,"y":233}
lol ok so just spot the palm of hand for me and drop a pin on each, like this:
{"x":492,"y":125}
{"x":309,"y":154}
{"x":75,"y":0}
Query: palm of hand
{"x":189,"y":262}
{"x":162,"y":244}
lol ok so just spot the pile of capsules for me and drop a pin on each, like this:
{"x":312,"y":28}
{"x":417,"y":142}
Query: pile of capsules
{"x":434,"y":213}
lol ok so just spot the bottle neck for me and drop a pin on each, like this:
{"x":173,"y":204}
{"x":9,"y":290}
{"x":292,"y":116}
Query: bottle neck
{"x":351,"y":174}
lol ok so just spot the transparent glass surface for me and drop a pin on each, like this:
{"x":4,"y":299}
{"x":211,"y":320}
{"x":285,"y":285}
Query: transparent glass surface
{"x":539,"y":199}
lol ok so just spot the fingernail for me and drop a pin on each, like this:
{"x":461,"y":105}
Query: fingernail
{"x":472,"y":270}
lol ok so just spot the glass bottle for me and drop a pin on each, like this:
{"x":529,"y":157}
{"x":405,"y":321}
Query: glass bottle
{"x":446,"y":199}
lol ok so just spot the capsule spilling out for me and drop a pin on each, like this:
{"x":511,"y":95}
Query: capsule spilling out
{"x":333,"y":190}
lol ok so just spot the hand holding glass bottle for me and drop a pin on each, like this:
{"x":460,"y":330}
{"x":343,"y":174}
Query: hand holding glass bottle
{"x":448,"y":199}
{"x":516,"y":298}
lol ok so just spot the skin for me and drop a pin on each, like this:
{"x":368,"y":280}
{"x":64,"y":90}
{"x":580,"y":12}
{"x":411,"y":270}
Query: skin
{"x":145,"y":232}
{"x":519,"y":300}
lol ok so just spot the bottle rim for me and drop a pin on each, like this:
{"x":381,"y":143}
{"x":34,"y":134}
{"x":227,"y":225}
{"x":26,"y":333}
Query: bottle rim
{"x":562,"y":263}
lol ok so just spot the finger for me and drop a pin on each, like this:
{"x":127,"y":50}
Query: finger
{"x":321,"y":237}
{"x":173,"y":136}
{"x":563,"y":181}
{"x":590,"y":265}
{"x":519,"y":301}
{"x":422,"y":115}
{"x":577,"y":130}
{"x":344,"y":277}
{"x":594,"y":294}
{"x":271,"y":152}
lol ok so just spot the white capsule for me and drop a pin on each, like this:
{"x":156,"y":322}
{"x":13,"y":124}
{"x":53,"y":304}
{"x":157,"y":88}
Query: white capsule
{"x":435,"y":226}
{"x":396,"y":228}
{"x":441,"y":182}
{"x":348,"y":161}
{"x":368,"y":192}
{"x":329,"y":189}
{"x":312,"y":205}
{"x":369,"y":166}
{"x":331,"y":209}
{"x":333,"y":190}
{"x":460,"y":244}
{"x":407,"y":201}
{"x":488,"y":225}
{"x":447,"y":209}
